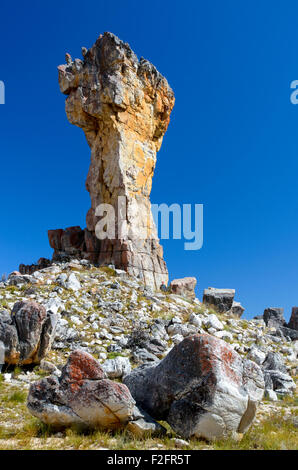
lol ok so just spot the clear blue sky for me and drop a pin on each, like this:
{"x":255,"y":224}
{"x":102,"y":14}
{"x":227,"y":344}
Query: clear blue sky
{"x":232,"y":143}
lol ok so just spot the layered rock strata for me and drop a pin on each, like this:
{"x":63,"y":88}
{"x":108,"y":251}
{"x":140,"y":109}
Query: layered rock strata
{"x":123,"y":106}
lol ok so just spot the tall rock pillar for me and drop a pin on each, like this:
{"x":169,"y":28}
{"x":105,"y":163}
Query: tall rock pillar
{"x":123,"y":106}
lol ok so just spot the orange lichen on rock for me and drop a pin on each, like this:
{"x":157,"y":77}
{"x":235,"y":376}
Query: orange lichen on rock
{"x":123,"y":106}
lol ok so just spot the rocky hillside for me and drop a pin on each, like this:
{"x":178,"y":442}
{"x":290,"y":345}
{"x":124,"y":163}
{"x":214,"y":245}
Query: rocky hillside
{"x":110,"y":315}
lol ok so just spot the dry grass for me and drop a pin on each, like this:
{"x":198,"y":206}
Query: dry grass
{"x":19,"y":430}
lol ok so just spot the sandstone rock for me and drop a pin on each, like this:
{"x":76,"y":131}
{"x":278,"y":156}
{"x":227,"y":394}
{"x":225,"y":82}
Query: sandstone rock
{"x":256,"y":355}
{"x":274,"y":361}
{"x":289,"y":333}
{"x":123,"y":106}
{"x":32,"y":268}
{"x":202,"y":388}
{"x":221,"y":299}
{"x":29,"y":334}
{"x":183,"y":330}
{"x":274,"y":317}
{"x":18,"y":280}
{"x":180,"y":443}
{"x":14,"y":273}
{"x":141,"y":355}
{"x":5,"y":316}
{"x":293,"y":323}
{"x":213,"y":322}
{"x":73,"y":283}
{"x":276,"y":376}
{"x":54,"y":305}
{"x":271,"y":395}
{"x":117,"y":368}
{"x":48,"y":367}
{"x":280,"y":383}
{"x":237,"y":309}
{"x":185,"y":287}
{"x":226,"y":335}
{"x":83,"y":396}
{"x":195,"y":320}
{"x":143,"y":425}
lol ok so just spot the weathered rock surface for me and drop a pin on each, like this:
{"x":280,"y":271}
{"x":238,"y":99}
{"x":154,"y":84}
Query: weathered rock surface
{"x":237,"y":309}
{"x":30,"y":269}
{"x":27,"y":336}
{"x":274,"y":317}
{"x":117,"y":368}
{"x":83,"y":396}
{"x":293,"y":323}
{"x":185,"y":287}
{"x":290,"y":333}
{"x":123,"y":106}
{"x":202,"y":388}
{"x":276,"y":376}
{"x":222,"y":299}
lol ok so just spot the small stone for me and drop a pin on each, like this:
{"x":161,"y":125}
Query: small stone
{"x":270,"y":395}
{"x":73,"y":283}
{"x":213,"y":322}
{"x":181,"y":443}
{"x":185,"y":287}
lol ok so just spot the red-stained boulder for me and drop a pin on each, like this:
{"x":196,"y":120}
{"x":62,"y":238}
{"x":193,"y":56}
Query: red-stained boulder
{"x":203,"y":388}
{"x":84,"y":396}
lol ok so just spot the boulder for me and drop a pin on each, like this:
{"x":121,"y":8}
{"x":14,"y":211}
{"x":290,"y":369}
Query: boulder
{"x":237,"y":309}
{"x":274,"y":361}
{"x":274,"y":317}
{"x":280,"y":383}
{"x":117,"y":368}
{"x":19,"y":280}
{"x":289,"y":333}
{"x":84,"y":397}
{"x":276,"y":376}
{"x":143,"y":425}
{"x":213,"y":322}
{"x":73,"y":283}
{"x":271,"y":395}
{"x":221,"y":299}
{"x":256,"y":355}
{"x":28,"y":335}
{"x":185,"y":287}
{"x":293,"y":323}
{"x":195,"y":320}
{"x":203,"y":388}
{"x":32,"y":268}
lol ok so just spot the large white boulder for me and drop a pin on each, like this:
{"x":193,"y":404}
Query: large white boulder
{"x":203,"y":388}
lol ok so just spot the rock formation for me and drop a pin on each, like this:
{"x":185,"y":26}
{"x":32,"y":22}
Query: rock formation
{"x":203,"y":388}
{"x":221,"y":299}
{"x":123,"y":106}
{"x":185,"y":287}
{"x":293,"y":323}
{"x":237,"y":309}
{"x":276,"y":377}
{"x":28,"y":333}
{"x":85,"y":397}
{"x":274,"y":317}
